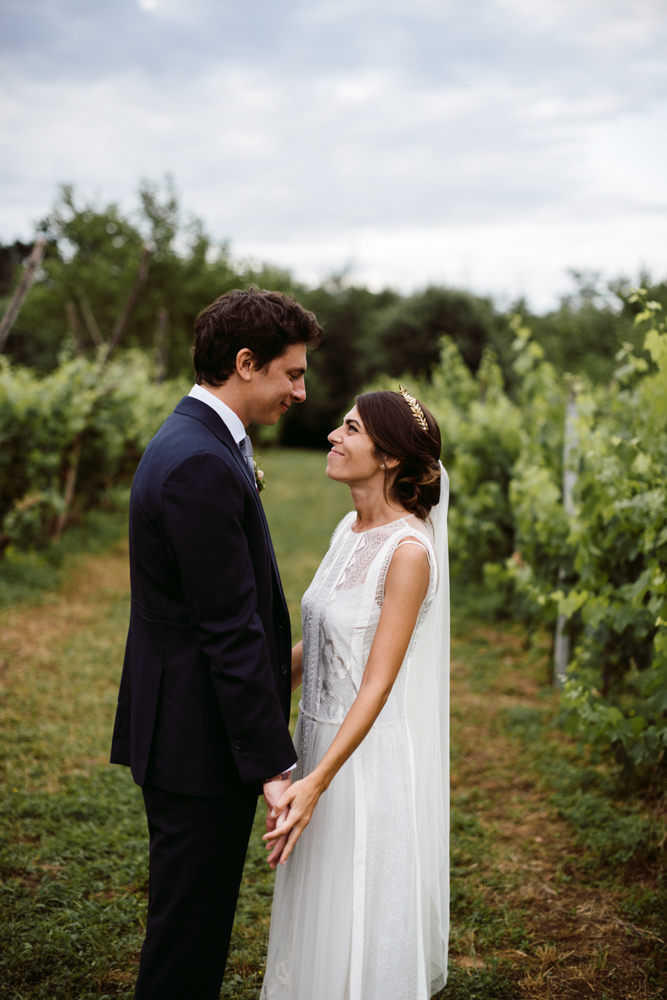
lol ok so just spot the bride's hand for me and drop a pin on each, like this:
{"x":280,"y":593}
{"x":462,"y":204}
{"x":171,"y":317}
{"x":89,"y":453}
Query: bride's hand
{"x":278,"y":845}
{"x":294,"y":809}
{"x":273,"y":792}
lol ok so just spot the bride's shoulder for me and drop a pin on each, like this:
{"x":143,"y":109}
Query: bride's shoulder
{"x":413,"y":546}
{"x":411,"y":529}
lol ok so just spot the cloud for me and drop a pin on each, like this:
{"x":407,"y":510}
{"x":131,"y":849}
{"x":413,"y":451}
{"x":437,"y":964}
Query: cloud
{"x":296,"y":127}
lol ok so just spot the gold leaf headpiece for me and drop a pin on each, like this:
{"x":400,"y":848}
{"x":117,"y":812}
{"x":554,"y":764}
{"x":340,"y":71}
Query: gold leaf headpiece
{"x":417,"y":411}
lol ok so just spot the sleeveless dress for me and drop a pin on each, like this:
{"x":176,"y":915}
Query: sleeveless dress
{"x":346,"y":920}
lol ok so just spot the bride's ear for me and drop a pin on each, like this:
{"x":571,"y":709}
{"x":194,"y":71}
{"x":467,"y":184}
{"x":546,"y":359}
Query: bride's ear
{"x":387,"y":462}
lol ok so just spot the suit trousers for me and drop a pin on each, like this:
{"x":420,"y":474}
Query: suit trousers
{"x":197,"y":850}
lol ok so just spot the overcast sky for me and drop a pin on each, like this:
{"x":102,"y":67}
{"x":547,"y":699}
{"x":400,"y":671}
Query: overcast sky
{"x":491,"y":144}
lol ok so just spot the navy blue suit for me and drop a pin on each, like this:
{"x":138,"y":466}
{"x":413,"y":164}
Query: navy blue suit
{"x":205,"y":691}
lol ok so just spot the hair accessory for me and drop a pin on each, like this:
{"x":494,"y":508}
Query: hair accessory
{"x":417,"y":411}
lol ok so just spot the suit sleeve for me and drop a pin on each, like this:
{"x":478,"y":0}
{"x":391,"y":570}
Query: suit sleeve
{"x":203,"y":513}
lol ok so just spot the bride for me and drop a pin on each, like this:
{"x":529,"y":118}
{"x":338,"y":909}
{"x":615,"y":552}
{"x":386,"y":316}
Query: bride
{"x":361,"y":902}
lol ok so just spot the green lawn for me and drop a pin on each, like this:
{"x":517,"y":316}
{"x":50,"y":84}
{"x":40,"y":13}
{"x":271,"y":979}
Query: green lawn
{"x":557,"y":886}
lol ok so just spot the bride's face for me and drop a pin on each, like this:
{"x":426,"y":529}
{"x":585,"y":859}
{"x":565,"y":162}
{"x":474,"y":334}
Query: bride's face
{"x":352,"y":456}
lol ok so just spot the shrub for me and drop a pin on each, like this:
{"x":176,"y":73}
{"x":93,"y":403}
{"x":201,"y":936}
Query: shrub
{"x":67,"y":437}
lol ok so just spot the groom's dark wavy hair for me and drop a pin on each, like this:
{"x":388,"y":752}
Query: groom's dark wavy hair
{"x":267,"y":323}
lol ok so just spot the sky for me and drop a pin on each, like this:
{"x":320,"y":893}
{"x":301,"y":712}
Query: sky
{"x":486,"y":144}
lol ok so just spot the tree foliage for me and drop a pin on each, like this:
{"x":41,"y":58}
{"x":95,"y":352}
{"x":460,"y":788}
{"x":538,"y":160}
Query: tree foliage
{"x":409,"y":331}
{"x":86,"y":423}
{"x":93,"y":258}
{"x":91,"y":265}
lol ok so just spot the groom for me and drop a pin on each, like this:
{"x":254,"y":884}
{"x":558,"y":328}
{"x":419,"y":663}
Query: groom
{"x":205,"y":692}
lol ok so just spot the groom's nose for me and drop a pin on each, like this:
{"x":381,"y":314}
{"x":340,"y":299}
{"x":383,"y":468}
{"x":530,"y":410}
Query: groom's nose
{"x":299,"y":390}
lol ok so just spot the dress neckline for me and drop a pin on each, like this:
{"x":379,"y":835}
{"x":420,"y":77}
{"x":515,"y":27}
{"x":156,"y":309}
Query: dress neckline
{"x":378,"y":526}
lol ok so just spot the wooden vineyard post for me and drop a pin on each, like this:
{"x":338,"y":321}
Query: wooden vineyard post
{"x":570,"y":442}
{"x":27,"y":278}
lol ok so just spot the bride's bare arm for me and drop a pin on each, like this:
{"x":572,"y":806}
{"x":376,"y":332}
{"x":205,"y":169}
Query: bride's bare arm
{"x":405,"y":589}
{"x":297,"y":665}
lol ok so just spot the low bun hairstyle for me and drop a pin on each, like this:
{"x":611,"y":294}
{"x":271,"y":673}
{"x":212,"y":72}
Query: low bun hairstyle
{"x":396,"y":433}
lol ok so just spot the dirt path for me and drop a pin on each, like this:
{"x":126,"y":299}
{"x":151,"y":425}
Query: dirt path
{"x":577,"y":943}
{"x":30,"y":635}
{"x":59,"y":669}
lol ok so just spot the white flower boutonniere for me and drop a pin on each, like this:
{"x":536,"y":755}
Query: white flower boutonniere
{"x":259,"y":477}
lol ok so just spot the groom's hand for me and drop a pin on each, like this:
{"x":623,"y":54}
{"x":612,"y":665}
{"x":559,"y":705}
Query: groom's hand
{"x":296,"y":809}
{"x":273,"y":792}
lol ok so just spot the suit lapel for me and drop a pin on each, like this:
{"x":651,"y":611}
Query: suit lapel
{"x":191,"y":407}
{"x":206,"y":415}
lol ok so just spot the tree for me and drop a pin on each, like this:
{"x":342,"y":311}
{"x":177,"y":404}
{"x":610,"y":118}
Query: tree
{"x":91,"y":265}
{"x":408,"y":333}
{"x":339,"y":368}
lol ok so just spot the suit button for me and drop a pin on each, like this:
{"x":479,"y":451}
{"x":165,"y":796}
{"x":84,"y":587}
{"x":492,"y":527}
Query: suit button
{"x":283,"y":670}
{"x":238,"y":745}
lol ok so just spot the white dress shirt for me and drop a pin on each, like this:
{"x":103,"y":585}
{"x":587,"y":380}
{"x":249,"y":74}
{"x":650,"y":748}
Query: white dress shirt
{"x":232,"y":420}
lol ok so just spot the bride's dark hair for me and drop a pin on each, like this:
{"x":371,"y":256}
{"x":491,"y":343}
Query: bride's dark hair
{"x":396,"y":432}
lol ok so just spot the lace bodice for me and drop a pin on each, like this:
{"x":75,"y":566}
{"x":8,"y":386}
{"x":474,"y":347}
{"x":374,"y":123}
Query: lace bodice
{"x":341,"y":610}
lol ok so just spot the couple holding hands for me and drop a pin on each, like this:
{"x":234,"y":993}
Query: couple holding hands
{"x":357,"y":803}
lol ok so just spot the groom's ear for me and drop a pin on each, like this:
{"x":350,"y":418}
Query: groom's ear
{"x":246,"y":364}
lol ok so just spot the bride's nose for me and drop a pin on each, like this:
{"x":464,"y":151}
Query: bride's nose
{"x":336,"y":436}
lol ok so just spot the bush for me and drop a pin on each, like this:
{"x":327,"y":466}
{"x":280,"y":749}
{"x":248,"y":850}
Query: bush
{"x":612,"y":553}
{"x":69,"y":436}
{"x":602,"y":563}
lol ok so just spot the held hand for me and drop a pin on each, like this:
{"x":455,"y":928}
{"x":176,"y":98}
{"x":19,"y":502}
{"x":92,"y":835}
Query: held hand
{"x":294,"y":809}
{"x":278,"y":845}
{"x":273,"y":792}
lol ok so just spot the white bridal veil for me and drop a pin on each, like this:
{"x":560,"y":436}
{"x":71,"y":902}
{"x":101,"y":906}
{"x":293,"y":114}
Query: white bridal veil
{"x":427,"y":696}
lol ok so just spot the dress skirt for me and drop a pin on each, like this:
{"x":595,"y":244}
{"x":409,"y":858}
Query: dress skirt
{"x":311,"y":919}
{"x":345,"y":921}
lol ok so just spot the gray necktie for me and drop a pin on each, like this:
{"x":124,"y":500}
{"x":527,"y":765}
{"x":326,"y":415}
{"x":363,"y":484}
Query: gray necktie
{"x":245,"y":447}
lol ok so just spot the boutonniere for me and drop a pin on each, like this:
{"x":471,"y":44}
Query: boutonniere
{"x":259,"y":477}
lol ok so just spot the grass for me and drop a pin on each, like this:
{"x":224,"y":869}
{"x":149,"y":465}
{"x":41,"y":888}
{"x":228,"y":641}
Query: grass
{"x":30,"y":576}
{"x":567,"y":881}
{"x":73,"y":853}
{"x":557,"y":888}
{"x":303,"y":507}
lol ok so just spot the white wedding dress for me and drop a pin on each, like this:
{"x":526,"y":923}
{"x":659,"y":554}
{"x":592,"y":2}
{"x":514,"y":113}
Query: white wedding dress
{"x":360,"y":909}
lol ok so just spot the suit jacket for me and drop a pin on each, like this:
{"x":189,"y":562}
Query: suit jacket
{"x":205,"y":691}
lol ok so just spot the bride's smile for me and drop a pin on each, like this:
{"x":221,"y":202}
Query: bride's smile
{"x":354,"y":457}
